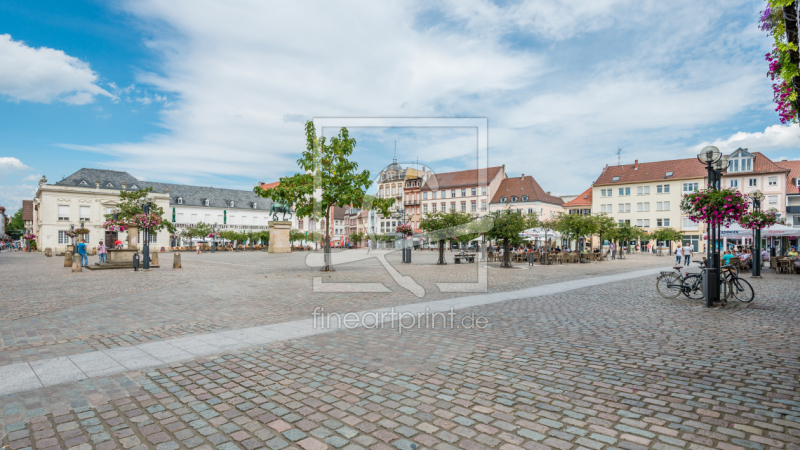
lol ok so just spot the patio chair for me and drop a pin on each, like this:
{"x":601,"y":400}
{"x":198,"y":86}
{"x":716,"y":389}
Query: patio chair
{"x":785,"y":265}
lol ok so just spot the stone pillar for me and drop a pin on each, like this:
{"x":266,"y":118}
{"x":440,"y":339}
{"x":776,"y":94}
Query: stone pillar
{"x":133,"y":231}
{"x":76,"y":263}
{"x":48,"y":252}
{"x":68,"y":259}
{"x":279,"y":237}
{"x":176,"y":261}
{"x":154,"y":258}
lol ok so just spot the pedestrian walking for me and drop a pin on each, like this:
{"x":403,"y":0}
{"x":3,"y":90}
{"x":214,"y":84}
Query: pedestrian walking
{"x":678,"y":254}
{"x":688,"y":252}
{"x":101,"y":251}
{"x":369,"y":246}
{"x":82,"y":253}
{"x":197,"y":245}
{"x":611,"y":249}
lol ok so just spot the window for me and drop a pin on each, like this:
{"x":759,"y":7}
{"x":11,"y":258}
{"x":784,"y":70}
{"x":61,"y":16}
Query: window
{"x":483,"y":190}
{"x":621,"y":221}
{"x":603,"y":208}
{"x":433,"y":195}
{"x":474,"y":206}
{"x":621,"y":191}
{"x":753,"y":182}
{"x":502,"y":199}
{"x":602,"y":192}
{"x":666,"y":222}
{"x":734,"y":183}
{"x":444,"y":206}
{"x":452,"y":193}
{"x":62,"y":237}
{"x":425,"y":208}
{"x":659,"y":206}
{"x":666,"y":206}
{"x":687,"y":224}
{"x":627,"y":207}
{"x":647,"y":206}
{"x":463,"y":192}
{"x":513,"y":198}
{"x":474,"y":192}
{"x":615,"y":179}
{"x":639,"y":222}
{"x":668,"y":174}
{"x":530,"y":210}
{"x":483,"y":205}
{"x":84,"y":213}
{"x":524,"y":198}
{"x":773,"y":199}
{"x":666,"y":189}
{"x":151,"y":238}
{"x":452,"y":206}
{"x":463,"y":206}
{"x":231,"y":203}
{"x":63,"y":212}
{"x":640,"y":207}
{"x":206,"y":202}
{"x":689,"y":187}
{"x":621,"y":207}
{"x":659,"y":189}
{"x":640,"y":190}
{"x":646,"y":222}
{"x":433,"y":207}
{"x":659,"y":223}
{"x":255,"y":205}
{"x":180,"y":200}
{"x":424,"y":195}
{"x":735,"y":165}
{"x":772,"y":181}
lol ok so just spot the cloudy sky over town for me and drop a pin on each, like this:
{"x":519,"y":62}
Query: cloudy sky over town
{"x":217,"y":93}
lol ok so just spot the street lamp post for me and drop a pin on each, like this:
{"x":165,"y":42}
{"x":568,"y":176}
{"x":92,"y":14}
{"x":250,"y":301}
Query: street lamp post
{"x":72,"y":227}
{"x":214,"y":238}
{"x":757,"y":196}
{"x":145,"y":202}
{"x":400,"y":214}
{"x":711,"y":157}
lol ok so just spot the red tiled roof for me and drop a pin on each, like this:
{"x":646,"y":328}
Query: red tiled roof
{"x":762,"y":164}
{"x":794,"y":167}
{"x":652,"y":171}
{"x":27,"y":210}
{"x":338,"y":212}
{"x":269,"y":185}
{"x":585,"y":199}
{"x":461,"y":178}
{"x":527,"y":186}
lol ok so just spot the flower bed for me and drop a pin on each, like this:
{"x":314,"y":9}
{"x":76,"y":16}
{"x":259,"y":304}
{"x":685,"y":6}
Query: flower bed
{"x":717,"y":207}
{"x":115,"y":225}
{"x":146,"y":221}
{"x":758,"y":220}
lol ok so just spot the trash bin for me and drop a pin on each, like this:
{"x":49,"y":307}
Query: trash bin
{"x":710,"y":289}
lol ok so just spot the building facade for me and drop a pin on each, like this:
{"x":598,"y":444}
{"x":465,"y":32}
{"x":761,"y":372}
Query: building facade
{"x":27,"y":215}
{"x":466,"y":191}
{"x":88,"y":195}
{"x":792,"y":193}
{"x":3,"y":222}
{"x":750,"y":171}
{"x":580,"y":204}
{"x":525,"y":194}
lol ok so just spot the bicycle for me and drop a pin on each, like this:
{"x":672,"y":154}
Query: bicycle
{"x":740,"y":288}
{"x":673,"y":284}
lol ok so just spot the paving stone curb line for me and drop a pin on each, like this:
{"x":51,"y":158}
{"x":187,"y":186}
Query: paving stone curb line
{"x":23,"y":377}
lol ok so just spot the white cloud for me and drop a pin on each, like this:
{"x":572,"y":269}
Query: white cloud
{"x":32,"y":177}
{"x":12,"y":196}
{"x":45,"y":74}
{"x":773,"y":138}
{"x":646,"y":75}
{"x":10,"y":164}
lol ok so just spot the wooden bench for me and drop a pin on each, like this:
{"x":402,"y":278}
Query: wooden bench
{"x":467,"y":257}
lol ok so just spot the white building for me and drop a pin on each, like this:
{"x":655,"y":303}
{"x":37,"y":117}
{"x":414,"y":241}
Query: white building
{"x":86,"y":196}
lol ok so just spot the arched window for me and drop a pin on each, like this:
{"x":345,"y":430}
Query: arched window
{"x":206,"y":202}
{"x":231,"y":203}
{"x":180,"y":200}
{"x":254,"y":205}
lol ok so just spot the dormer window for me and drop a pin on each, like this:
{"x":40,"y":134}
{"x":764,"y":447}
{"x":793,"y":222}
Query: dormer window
{"x":524,"y":198}
{"x":134,"y":187}
{"x":668,"y":174}
{"x":740,"y":161}
{"x":180,"y":200}
{"x":254,"y":205}
{"x":231,"y":203}
{"x":502,"y":199}
{"x":615,"y":179}
{"x":206,"y":202}
{"x":513,"y":198}
{"x":109,"y":185}
{"x":84,"y":183}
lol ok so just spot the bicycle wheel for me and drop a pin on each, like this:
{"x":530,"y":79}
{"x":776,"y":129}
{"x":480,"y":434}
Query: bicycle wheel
{"x":693,"y":286}
{"x":724,"y":289}
{"x":742,"y":290}
{"x":669,"y":285}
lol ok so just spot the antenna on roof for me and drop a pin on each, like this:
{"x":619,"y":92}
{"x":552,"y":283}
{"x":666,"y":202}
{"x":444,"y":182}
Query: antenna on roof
{"x":619,"y":158}
{"x":395,"y":151}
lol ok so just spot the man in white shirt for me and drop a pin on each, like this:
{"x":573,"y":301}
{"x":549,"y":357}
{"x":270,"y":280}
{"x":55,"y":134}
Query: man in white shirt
{"x":688,"y":251}
{"x":369,"y":246}
{"x":678,"y":254}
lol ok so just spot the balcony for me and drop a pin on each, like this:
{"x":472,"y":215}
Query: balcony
{"x":793,"y":209}
{"x":411,"y":202}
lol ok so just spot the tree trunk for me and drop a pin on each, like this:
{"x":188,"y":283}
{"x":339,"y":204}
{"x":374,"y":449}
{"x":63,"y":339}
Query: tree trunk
{"x":441,"y":253}
{"x":506,"y":257}
{"x":328,"y":267}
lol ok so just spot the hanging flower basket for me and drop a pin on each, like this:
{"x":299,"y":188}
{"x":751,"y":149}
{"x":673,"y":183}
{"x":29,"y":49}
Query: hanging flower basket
{"x":146,"y":221}
{"x":28,"y":236}
{"x":213,"y":235}
{"x":115,"y":225}
{"x":758,"y":220}
{"x":405,"y":229}
{"x":717,"y":207}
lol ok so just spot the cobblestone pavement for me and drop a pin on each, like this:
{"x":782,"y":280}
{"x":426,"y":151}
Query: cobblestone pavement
{"x":61,"y":313}
{"x":612,"y":366}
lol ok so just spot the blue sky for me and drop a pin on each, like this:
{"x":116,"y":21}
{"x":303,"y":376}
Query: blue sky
{"x":215,"y":93}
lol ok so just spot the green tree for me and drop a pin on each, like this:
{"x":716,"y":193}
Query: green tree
{"x":356,"y":237}
{"x":576,"y":226}
{"x":667,"y":235}
{"x":442,"y":226}
{"x":328,"y":178}
{"x":129,"y":206}
{"x":507,"y":224}
{"x":296,"y":235}
{"x":15,"y":226}
{"x":605,"y":226}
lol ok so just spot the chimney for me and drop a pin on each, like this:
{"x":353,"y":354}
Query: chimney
{"x":523,"y":176}
{"x":548,"y":192}
{"x":604,"y":168}
{"x":635,"y":164}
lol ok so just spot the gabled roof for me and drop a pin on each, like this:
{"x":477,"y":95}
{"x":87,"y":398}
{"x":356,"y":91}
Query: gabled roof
{"x":270,"y":185}
{"x":27,"y":210}
{"x":190,"y":195}
{"x":761,"y":164}
{"x":585,"y":199}
{"x":338,"y":213}
{"x":652,"y":171}
{"x":520,"y":186}
{"x":461,"y":178}
{"x":794,"y":174}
